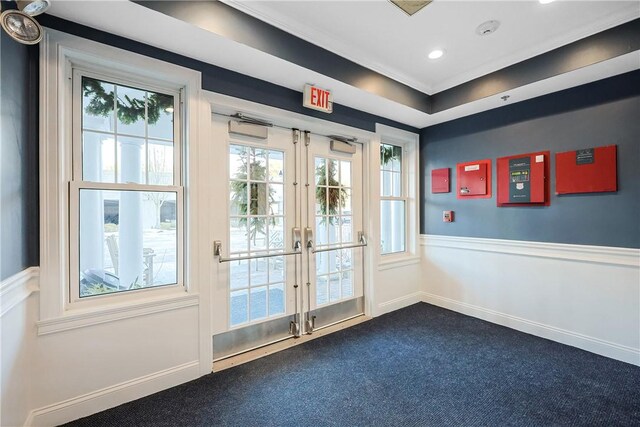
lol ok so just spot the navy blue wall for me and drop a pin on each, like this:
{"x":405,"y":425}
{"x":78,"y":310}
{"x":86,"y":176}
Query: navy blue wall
{"x":19,"y":199}
{"x":597,"y":114}
{"x":19,"y":222}
{"x":600,"y":113}
{"x":221,"y":80}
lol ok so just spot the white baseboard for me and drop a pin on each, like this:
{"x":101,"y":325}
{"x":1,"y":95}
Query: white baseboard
{"x":398,"y":303}
{"x":584,"y":342}
{"x":109,"y":397}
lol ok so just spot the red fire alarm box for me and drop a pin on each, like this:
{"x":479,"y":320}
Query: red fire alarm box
{"x":473,"y":180}
{"x":523,"y":179}
{"x":440,"y":180}
{"x":589,"y":170}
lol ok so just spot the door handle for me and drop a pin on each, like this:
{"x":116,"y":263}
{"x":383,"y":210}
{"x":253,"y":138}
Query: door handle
{"x":362,"y":241}
{"x":308,"y":232}
{"x":297,"y":240}
{"x":297,"y":250}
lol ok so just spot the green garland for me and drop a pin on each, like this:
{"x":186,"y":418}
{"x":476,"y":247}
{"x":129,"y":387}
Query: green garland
{"x":249,"y":201}
{"x":130,"y":110}
{"x":389,"y":153}
{"x":337,"y":196}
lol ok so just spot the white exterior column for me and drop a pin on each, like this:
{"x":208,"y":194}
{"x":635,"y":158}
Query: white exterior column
{"x":385,"y":225}
{"x":92,"y":205}
{"x":332,"y":237}
{"x":131,"y":224}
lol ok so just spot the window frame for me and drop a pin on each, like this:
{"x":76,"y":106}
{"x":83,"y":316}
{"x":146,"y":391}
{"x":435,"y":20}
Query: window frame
{"x":404,"y":197}
{"x":77,"y":184}
{"x":59,"y":54}
{"x":409,"y":142}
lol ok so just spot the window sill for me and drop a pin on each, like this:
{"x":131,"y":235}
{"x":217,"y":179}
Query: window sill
{"x":74,"y":319}
{"x":398,"y":261}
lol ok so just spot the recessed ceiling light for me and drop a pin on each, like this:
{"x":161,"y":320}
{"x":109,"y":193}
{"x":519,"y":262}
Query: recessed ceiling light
{"x":545,"y":1}
{"x":435,"y":54}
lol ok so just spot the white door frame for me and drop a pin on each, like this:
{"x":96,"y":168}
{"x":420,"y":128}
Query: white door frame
{"x":217,"y":155}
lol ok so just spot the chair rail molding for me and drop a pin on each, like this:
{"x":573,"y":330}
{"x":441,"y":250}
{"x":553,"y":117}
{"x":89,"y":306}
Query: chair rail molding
{"x":628,"y":257}
{"x":18,"y":288}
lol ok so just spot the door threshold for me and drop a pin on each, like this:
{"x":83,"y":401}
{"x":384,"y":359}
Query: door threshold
{"x":267,"y":349}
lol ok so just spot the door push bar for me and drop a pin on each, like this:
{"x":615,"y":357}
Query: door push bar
{"x":362,"y":241}
{"x":297,"y":250}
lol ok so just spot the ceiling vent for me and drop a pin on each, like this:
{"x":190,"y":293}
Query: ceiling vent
{"x":487,"y":28}
{"x":410,"y":7}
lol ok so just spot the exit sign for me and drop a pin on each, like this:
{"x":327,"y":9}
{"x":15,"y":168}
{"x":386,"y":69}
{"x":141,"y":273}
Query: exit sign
{"x":317,"y":98}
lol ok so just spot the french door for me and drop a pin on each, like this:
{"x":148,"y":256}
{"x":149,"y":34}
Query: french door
{"x":291,"y":257}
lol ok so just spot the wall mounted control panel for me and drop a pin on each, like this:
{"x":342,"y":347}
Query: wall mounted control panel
{"x":447,"y":216}
{"x":440,"y":181}
{"x":473,"y":180}
{"x":589,"y":170}
{"x":523,"y":179}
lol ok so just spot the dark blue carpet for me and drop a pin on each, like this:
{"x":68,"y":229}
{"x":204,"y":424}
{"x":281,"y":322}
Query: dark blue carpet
{"x":420,"y":366}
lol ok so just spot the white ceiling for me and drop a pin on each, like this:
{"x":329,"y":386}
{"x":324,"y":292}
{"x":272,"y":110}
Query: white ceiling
{"x":138,"y":23}
{"x":379,"y":36}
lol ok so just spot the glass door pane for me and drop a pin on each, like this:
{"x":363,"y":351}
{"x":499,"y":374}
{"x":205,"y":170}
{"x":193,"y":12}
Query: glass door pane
{"x":334,"y":214}
{"x":271,"y":187}
{"x":256,"y":216}
{"x":334,"y":228}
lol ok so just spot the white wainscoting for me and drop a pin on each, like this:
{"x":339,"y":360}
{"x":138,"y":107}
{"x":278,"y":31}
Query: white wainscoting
{"x":583,"y":296}
{"x":82,"y":368}
{"x":17,"y":288}
{"x":109,"y":397}
{"x":111,"y":314}
{"x":400,"y":302}
{"x":18,"y":305}
{"x":394,"y":286}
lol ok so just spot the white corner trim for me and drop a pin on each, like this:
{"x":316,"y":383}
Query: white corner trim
{"x":108,"y":397}
{"x":584,"y":342}
{"x":399,"y":262}
{"x":18,"y":288}
{"x":627,"y":257}
{"x":398,"y":303}
{"x":112,"y":314}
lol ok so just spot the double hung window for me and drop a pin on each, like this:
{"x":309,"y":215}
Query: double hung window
{"x":125,"y":202}
{"x":393,"y":200}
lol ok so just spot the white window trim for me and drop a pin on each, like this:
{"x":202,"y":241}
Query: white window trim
{"x":403,"y":197}
{"x":60,"y":53}
{"x":410,"y":151}
{"x":77,"y":183}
